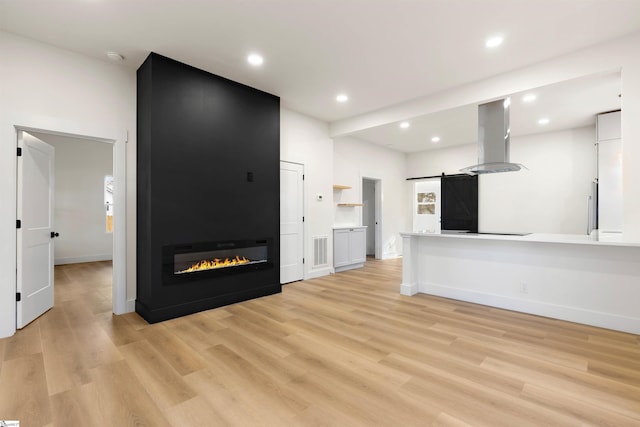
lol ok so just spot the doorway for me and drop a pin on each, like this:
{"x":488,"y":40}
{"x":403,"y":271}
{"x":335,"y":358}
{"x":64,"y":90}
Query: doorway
{"x":372,"y":215}
{"x":117,"y":152}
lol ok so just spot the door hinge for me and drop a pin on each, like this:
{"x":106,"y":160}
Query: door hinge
{"x":18,"y":296}
{"x":18,"y":223}
{"x":303,"y":177}
{"x":303,"y":260}
{"x":302,"y":219}
{"x":19,"y":151}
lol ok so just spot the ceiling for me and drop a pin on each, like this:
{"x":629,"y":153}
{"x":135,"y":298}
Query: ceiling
{"x":570,"y":104}
{"x":379,"y":52}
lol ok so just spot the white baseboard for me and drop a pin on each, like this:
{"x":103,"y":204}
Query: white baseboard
{"x":540,"y":308}
{"x":131,"y":305}
{"x":320,"y":272}
{"x":390,"y":255}
{"x":408,"y":289}
{"x":79,"y":259}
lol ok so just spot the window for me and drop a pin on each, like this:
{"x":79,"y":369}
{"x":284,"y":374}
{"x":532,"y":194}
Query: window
{"x":108,"y":202}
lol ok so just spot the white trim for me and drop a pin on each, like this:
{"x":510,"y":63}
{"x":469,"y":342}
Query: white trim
{"x":555,"y":311}
{"x":79,"y":259}
{"x":314,"y":274}
{"x":119,"y":288}
{"x":378,"y":211}
{"x":119,"y":140}
{"x":408,"y":289}
{"x":391,"y":255}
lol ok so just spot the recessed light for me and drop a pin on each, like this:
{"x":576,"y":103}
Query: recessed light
{"x":342,"y":98}
{"x":435,"y":139}
{"x":543,"y":121}
{"x":529,"y":97}
{"x":405,"y":125}
{"x":115,"y":56}
{"x":255,"y":59}
{"x":494,"y":41}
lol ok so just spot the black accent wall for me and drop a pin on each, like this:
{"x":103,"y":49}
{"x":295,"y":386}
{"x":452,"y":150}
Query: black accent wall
{"x":207,"y":171}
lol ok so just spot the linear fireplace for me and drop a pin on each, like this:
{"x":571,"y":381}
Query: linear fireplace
{"x":208,"y":196}
{"x":184,"y":263}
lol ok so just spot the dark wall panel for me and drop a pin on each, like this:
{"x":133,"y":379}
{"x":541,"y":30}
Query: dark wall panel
{"x":201,"y":138}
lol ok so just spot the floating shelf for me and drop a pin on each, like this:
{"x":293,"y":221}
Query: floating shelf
{"x":341,"y":187}
{"x":350,"y":204}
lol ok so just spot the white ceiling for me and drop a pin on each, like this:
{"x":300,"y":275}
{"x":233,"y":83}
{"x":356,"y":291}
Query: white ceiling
{"x":379,"y":52}
{"x":569,"y":104}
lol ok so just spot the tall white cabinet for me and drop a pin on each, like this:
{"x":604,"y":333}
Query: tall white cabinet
{"x":610,"y":172}
{"x":349,"y":247}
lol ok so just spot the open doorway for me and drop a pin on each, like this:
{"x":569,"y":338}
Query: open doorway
{"x":113,"y":147}
{"x":82,"y":205}
{"x":372,"y":215}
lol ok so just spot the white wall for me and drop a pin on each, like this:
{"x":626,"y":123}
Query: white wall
{"x":620,"y":54}
{"x":305,"y":140}
{"x":443,"y":160}
{"x":631,"y":140}
{"x":353,"y":160}
{"x":549,"y":197}
{"x":79,"y":211}
{"x":50,"y":88}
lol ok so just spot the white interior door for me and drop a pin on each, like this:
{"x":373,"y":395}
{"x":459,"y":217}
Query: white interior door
{"x":35,"y":234}
{"x":291,"y":222}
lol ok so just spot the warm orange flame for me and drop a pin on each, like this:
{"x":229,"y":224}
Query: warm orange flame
{"x":215,"y":263}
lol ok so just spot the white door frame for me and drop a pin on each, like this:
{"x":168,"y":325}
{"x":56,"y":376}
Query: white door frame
{"x":118,"y":139}
{"x":377,"y":213}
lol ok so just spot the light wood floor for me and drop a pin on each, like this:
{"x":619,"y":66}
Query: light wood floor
{"x":344,"y":350}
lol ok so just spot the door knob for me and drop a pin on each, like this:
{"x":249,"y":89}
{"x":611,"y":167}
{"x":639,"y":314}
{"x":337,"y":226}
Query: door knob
{"x":54,"y":234}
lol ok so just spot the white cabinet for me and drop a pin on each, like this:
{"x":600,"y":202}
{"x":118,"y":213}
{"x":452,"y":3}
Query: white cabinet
{"x":349,"y":248}
{"x":609,"y":126}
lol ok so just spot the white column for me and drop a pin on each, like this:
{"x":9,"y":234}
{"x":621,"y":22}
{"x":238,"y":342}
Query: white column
{"x":410,"y":249}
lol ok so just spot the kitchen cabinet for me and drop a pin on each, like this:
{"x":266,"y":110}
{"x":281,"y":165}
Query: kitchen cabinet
{"x":349,"y":247}
{"x":609,"y":126}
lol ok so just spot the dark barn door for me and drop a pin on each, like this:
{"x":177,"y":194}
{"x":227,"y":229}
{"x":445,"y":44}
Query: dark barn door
{"x":460,"y":203}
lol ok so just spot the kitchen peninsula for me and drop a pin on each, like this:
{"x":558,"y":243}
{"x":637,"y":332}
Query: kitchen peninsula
{"x":593,"y":280}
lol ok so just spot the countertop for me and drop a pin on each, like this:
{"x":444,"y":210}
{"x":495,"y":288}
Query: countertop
{"x":596,"y":238}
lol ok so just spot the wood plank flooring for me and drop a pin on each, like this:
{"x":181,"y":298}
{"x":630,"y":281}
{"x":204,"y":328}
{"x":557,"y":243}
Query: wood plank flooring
{"x":342,"y":350}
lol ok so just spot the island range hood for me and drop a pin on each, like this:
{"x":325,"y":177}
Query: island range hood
{"x":493,"y":140}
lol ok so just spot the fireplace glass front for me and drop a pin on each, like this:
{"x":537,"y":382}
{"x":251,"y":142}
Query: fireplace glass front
{"x":194,"y":261}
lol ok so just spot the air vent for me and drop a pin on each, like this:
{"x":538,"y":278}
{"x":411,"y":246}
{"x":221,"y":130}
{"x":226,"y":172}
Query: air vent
{"x":320,"y":251}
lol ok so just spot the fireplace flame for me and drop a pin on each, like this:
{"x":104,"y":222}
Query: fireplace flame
{"x":215,"y":263}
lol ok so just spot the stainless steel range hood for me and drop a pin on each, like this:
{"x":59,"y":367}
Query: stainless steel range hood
{"x":493,"y":139}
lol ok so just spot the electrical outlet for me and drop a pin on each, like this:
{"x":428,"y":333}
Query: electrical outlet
{"x":524,"y":289}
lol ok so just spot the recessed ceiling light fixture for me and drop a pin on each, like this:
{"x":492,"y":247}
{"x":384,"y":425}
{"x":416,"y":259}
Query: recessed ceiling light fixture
{"x":435,"y":139}
{"x":494,"y":41}
{"x":543,"y":121}
{"x":115,"y":56}
{"x":529,"y":97}
{"x":342,"y":98}
{"x":405,"y":125}
{"x":255,"y":59}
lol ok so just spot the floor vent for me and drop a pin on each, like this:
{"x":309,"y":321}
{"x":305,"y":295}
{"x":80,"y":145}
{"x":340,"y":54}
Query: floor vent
{"x":320,"y":251}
